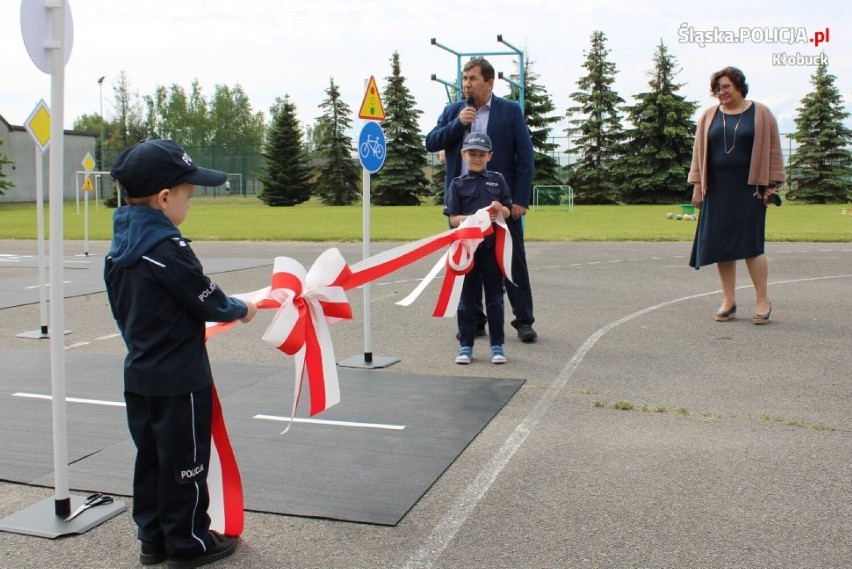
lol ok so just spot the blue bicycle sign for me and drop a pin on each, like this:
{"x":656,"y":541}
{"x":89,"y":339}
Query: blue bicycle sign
{"x":371,"y":147}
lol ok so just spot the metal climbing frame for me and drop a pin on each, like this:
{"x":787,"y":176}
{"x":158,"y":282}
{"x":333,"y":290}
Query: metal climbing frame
{"x":457,"y":85}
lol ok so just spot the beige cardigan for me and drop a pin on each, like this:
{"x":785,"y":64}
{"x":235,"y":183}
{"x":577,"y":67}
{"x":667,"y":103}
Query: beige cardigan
{"x":767,"y":163}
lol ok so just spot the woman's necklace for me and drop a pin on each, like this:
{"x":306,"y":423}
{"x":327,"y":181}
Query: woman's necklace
{"x":725,"y":132}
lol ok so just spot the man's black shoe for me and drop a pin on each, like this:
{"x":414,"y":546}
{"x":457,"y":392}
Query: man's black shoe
{"x":526,"y":333}
{"x":152,"y":553}
{"x":480,"y":332}
{"x":221,"y":547}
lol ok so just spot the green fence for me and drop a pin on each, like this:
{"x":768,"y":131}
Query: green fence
{"x":243,"y":163}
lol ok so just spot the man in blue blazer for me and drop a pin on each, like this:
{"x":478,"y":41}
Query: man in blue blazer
{"x":504,"y":123}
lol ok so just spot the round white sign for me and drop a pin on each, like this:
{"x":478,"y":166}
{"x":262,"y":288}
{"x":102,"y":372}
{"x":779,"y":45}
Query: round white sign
{"x":37,"y":29}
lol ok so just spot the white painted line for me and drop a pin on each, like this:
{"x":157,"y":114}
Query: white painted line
{"x":76,"y":345}
{"x":108,"y":336}
{"x":263,"y":417}
{"x":45,"y":285}
{"x":442,"y":534}
{"x":332,"y":423}
{"x":71,"y":399}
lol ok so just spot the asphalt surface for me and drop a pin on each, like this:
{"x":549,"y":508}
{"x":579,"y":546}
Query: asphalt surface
{"x":729,"y":447}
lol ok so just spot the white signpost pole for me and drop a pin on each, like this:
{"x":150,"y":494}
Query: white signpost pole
{"x":38,"y":125}
{"x":42,"y":269}
{"x":44,"y":24}
{"x":372,"y":152}
{"x":57,"y":231}
{"x":365,"y":253}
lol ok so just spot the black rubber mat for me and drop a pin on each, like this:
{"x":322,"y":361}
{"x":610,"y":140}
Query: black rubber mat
{"x":368,"y":459}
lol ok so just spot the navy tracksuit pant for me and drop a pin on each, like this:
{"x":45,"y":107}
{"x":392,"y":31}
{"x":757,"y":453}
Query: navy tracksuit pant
{"x":170,"y":498}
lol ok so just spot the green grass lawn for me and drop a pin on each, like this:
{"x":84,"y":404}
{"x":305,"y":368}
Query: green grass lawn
{"x":235,"y":219}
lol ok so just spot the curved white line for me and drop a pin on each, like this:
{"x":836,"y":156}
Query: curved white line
{"x":445,"y":530}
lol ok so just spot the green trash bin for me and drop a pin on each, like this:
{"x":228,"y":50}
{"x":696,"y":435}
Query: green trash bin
{"x":687,"y":208}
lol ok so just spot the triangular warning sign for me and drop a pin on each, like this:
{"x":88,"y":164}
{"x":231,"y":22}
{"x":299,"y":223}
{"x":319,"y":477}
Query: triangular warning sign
{"x":87,"y":185}
{"x":371,"y":106}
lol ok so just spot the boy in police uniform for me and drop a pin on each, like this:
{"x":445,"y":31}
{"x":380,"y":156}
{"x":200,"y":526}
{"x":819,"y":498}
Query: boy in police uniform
{"x":161,"y":299}
{"x":467,"y":194}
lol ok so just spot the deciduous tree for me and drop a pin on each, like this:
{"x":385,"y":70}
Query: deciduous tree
{"x":4,"y":160}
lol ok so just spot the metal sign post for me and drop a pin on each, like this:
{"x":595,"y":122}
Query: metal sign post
{"x":89,"y":165}
{"x":38,"y":125}
{"x":46,"y":27}
{"x":371,"y":151}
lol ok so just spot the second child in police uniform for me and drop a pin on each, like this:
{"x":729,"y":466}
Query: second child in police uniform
{"x":466,"y":195}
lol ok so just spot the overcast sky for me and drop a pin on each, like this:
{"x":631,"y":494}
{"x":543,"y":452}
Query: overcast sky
{"x":277,"y":47}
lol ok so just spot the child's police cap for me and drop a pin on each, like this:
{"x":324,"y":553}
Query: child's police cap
{"x":476,"y":141}
{"x":153,"y":165}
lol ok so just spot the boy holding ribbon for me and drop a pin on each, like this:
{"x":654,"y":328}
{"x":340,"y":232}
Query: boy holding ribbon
{"x":161,"y":299}
{"x":479,"y":188}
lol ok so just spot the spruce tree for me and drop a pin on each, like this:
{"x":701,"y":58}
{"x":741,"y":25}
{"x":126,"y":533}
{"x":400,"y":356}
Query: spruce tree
{"x":337,"y":182}
{"x":288,"y":174}
{"x":596,"y":129}
{"x":538,"y":107}
{"x":402,"y":179}
{"x":4,"y":183}
{"x":656,"y":155}
{"x":821,"y":165}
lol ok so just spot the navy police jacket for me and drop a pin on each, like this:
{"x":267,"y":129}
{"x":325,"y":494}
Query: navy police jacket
{"x":161,"y":299}
{"x":474,"y":191}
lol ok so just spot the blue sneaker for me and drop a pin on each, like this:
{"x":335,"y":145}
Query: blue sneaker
{"x":497,"y":355}
{"x":465,"y":352}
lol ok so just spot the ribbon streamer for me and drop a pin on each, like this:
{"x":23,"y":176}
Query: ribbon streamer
{"x":459,"y":261}
{"x":224,"y":483}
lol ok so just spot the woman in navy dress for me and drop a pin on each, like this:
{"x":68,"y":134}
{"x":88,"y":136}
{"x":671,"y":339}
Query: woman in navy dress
{"x":736,"y":167}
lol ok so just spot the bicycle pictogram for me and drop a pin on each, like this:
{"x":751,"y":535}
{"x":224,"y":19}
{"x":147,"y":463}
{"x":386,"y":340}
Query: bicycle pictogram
{"x":372,"y":145}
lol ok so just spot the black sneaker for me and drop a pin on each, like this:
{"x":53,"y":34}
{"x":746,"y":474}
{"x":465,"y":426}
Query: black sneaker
{"x":221,"y":546}
{"x":152,"y":553}
{"x":526,"y":333}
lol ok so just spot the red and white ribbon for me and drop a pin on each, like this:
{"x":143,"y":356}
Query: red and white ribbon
{"x":459,"y":261}
{"x":305,"y":302}
{"x":224,"y":483}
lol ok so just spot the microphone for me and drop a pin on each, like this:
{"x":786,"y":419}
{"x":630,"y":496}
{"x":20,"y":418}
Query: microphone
{"x":471,"y":102}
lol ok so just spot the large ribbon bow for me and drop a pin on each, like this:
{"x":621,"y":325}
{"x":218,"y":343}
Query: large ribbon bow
{"x":305,"y":302}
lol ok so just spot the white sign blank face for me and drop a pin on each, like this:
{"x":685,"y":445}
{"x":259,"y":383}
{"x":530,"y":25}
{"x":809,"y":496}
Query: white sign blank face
{"x":37,"y":29}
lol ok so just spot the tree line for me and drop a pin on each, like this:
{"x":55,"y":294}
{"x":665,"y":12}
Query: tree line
{"x":623,"y":153}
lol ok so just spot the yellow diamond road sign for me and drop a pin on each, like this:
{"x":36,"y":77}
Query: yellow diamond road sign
{"x":38,"y":125}
{"x":89,"y":162}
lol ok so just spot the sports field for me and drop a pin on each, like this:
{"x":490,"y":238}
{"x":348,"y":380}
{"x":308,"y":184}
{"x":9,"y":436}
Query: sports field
{"x":242,"y":219}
